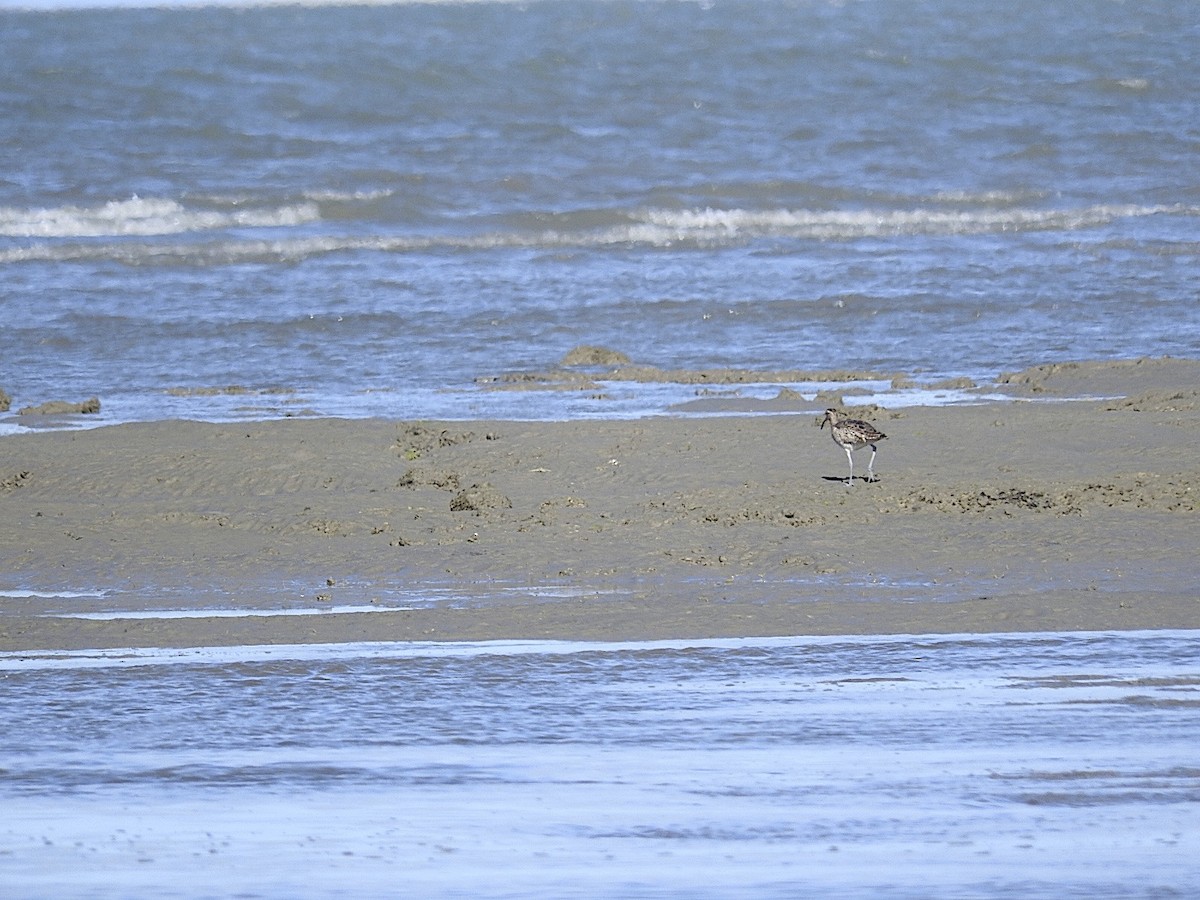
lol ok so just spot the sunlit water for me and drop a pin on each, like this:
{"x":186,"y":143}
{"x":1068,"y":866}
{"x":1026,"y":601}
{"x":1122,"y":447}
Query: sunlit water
{"x":1046,"y":765}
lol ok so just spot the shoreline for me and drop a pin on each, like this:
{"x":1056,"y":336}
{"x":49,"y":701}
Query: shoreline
{"x":623,"y":621}
{"x":592,"y":383}
{"x":1002,"y":516}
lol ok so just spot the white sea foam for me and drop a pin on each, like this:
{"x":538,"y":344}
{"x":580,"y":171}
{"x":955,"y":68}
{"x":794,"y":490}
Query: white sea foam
{"x":326,"y":196}
{"x":145,"y":217}
{"x":994,"y":198}
{"x":223,"y":613}
{"x":650,"y":227}
{"x":698,"y":224}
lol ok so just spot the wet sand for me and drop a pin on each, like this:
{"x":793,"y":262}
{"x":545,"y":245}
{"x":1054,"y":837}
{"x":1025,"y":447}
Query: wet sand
{"x":1028,"y":514}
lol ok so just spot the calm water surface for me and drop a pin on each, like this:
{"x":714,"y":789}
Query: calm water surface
{"x":1046,"y":765}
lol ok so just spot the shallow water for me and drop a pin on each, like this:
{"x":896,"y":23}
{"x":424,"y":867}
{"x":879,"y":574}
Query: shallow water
{"x":361,"y":210}
{"x":1045,"y":765}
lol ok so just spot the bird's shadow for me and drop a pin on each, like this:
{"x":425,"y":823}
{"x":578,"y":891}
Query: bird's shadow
{"x":842,"y":478}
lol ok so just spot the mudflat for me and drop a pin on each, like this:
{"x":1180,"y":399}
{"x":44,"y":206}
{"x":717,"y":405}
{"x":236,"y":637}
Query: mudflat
{"x":1039,"y":511}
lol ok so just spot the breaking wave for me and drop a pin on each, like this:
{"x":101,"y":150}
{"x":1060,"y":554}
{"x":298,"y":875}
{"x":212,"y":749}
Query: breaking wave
{"x":138,"y":217}
{"x":65,"y":233}
{"x":703,"y":224}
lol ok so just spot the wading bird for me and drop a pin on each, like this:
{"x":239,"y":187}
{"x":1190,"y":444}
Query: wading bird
{"x":853,"y":434}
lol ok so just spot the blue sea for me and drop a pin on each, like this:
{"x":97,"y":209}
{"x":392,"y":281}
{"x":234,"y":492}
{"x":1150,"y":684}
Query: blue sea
{"x":213,"y":212}
{"x":238,"y":212}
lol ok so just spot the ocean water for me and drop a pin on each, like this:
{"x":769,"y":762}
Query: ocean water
{"x":221,"y":212}
{"x":226,"y":212}
{"x":1030,"y":766}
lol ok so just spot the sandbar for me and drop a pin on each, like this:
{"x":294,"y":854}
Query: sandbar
{"x":1068,"y":505}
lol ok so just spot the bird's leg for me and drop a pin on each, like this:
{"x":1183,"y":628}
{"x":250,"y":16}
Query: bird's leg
{"x":871,"y":465}
{"x":850,"y":480}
